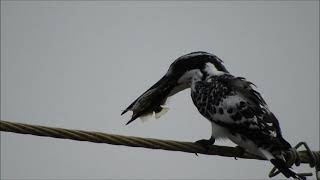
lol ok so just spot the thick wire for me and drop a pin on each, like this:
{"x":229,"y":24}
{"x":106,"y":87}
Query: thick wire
{"x":293,"y":157}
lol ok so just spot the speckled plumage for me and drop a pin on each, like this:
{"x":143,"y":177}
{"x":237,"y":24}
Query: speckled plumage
{"x":232,"y":103}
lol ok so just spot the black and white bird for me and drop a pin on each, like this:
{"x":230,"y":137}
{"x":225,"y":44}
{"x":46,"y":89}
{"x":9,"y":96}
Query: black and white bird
{"x":232,"y":105}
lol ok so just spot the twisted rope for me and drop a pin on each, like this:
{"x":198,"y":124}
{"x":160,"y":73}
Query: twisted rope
{"x":293,"y":157}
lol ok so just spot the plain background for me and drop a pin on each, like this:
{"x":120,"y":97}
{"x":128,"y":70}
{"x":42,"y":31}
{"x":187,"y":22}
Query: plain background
{"x":77,"y":64}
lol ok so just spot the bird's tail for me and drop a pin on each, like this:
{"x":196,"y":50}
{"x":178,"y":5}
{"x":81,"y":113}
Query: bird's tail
{"x":281,"y":165}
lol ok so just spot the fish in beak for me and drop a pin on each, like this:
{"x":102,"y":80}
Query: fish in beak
{"x":152,"y":102}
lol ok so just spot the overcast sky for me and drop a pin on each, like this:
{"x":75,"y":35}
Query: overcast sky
{"x":77,"y":64}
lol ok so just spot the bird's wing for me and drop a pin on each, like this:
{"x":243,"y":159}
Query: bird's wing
{"x":233,"y":103}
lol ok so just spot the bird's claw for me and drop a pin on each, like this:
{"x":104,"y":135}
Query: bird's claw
{"x":241,"y":150}
{"x":205,"y":143}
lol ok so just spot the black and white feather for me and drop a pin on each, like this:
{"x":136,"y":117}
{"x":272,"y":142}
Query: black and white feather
{"x":231,"y":103}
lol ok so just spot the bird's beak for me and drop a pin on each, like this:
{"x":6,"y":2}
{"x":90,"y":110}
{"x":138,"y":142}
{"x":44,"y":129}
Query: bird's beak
{"x":153,"y":99}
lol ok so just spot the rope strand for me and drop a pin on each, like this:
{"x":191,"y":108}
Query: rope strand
{"x":293,"y":156}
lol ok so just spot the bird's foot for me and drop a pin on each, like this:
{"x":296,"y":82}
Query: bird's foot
{"x":241,"y":151}
{"x":206,"y":143}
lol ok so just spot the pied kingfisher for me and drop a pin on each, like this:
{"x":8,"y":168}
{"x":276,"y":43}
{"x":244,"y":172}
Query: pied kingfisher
{"x":231,"y":104}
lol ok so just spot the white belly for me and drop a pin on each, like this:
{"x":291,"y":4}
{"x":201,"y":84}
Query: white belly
{"x":221,"y":132}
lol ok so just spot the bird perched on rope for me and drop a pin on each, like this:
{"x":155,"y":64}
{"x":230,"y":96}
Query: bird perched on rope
{"x":231,"y":104}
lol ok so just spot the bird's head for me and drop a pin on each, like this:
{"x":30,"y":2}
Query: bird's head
{"x":195,"y":66}
{"x":182,"y":72}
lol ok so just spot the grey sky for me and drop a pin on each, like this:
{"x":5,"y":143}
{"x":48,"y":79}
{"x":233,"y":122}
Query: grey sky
{"x":78,"y":64}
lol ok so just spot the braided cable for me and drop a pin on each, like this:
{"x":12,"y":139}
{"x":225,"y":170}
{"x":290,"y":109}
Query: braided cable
{"x":293,"y":156}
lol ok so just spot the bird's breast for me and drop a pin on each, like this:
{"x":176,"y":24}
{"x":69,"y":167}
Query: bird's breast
{"x":208,"y":97}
